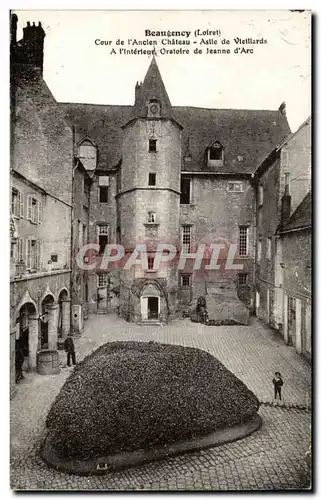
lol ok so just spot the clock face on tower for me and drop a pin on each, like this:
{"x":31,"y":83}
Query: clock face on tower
{"x":154,"y":109}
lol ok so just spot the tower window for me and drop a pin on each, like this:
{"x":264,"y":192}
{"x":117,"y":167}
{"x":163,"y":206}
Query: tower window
{"x":151,"y":217}
{"x":152,"y":179}
{"x":152,"y":145}
{"x":150,"y":263}
{"x":185,"y":191}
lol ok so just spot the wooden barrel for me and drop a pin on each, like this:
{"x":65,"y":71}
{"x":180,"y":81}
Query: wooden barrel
{"x":47,"y":362}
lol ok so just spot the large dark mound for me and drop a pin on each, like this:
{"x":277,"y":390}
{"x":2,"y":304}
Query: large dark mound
{"x":134,"y":395}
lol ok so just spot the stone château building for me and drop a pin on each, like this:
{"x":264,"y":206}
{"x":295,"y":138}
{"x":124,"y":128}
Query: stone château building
{"x":172,"y":175}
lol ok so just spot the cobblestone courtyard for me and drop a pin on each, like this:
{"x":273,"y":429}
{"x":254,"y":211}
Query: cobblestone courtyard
{"x":271,"y":458}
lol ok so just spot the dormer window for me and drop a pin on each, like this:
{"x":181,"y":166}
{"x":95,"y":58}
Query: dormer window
{"x":215,"y":154}
{"x":87,"y":153}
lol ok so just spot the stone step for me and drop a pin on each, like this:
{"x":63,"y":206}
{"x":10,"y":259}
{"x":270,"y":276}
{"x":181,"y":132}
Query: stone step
{"x":150,"y":322}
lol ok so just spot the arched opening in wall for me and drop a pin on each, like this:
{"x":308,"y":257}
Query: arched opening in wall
{"x":62,"y":297}
{"x":22,"y":335}
{"x":150,"y":303}
{"x":47,"y":302}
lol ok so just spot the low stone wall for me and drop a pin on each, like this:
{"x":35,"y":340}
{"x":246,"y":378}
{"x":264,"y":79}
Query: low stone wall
{"x":104,"y":464}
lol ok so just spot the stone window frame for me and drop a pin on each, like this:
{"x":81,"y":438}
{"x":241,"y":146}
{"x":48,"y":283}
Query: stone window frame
{"x":234,"y":184}
{"x":190,"y":178}
{"x":151,"y":217}
{"x":150,"y":178}
{"x":152,"y":143}
{"x":243,"y":241}
{"x":103,"y":277}
{"x":186,"y":237}
{"x":241,"y":277}
{"x":215,"y":162}
{"x":105,"y":233}
{"x":188,"y":277}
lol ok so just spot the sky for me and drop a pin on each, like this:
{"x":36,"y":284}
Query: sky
{"x":78,"y":70}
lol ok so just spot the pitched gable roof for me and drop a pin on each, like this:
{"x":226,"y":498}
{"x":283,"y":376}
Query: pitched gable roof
{"x":301,"y":217}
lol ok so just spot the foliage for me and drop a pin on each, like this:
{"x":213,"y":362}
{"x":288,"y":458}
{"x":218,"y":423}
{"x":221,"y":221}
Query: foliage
{"x":134,"y":395}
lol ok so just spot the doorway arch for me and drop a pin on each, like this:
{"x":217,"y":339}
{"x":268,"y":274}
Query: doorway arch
{"x":63,"y":314}
{"x":25,"y":312}
{"x":46,"y":303}
{"x":150,"y":302}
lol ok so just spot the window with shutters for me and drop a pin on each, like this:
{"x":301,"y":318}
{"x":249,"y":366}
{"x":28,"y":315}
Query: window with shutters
{"x":103,"y":233}
{"x":243,"y":241}
{"x":33,"y":254}
{"x":13,"y":246}
{"x":17,"y":203}
{"x":34,"y":210}
{"x":21,"y":252}
{"x":186,"y":239}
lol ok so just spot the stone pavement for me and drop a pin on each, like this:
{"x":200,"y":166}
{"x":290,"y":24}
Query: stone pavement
{"x":271,"y":458}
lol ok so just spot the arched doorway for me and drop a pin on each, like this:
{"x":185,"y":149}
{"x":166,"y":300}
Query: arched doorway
{"x":150,"y":303}
{"x":46,"y":303}
{"x":22,"y":336}
{"x":63,"y":313}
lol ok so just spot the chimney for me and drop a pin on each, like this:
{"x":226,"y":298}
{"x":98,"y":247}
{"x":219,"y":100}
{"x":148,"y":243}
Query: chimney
{"x":286,"y":203}
{"x":14,"y":22}
{"x":31,"y":46}
{"x":137,"y":93}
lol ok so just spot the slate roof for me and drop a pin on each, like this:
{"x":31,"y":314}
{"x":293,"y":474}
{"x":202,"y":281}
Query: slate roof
{"x":301,"y":217}
{"x":248,"y":136}
{"x":251,"y":134}
{"x":152,"y":88}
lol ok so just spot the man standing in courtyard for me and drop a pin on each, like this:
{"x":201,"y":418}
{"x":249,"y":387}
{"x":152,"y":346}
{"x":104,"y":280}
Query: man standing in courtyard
{"x":278,"y":382}
{"x":69,"y":347}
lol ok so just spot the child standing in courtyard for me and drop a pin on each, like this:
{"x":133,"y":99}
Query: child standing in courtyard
{"x":278,"y":382}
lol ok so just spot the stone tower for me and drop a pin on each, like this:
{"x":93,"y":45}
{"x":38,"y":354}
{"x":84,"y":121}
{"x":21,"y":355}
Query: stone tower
{"x":149,"y":199}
